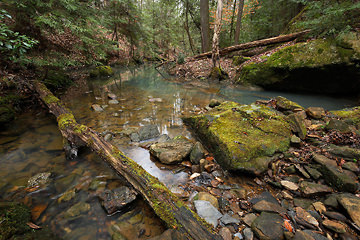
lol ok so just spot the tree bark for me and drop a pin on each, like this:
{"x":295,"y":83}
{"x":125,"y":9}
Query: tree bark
{"x":263,"y":42}
{"x":205,"y":27}
{"x":232,"y":21}
{"x":165,"y":204}
{"x":238,"y":21}
{"x":186,"y":26}
{"x":215,"y":44}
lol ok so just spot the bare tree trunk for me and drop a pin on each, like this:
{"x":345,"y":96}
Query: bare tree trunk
{"x":215,"y":44}
{"x":186,"y":26}
{"x":232,"y":21}
{"x":205,"y":28}
{"x":238,"y":21}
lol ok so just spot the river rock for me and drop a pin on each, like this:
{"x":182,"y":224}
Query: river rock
{"x":214,"y":103}
{"x":306,"y":216}
{"x":39,"y":179}
{"x":338,"y":178}
{"x":312,"y":189}
{"x":286,"y":105}
{"x":344,"y":152}
{"x":265,"y":206}
{"x":172,"y":151}
{"x":315,"y":235}
{"x":77,"y":209}
{"x":351,"y":115}
{"x":315,"y":174}
{"x":351,"y":203}
{"x":289,"y":185}
{"x":339,"y":125}
{"x":116,"y":199}
{"x":97,"y":108}
{"x":248,"y":234}
{"x":351,"y":166}
{"x":301,"y":235}
{"x":336,"y":216}
{"x":148,"y":132}
{"x":208,"y":197}
{"x":113,"y":102}
{"x":334,"y":226}
{"x":249,"y":218}
{"x":112,"y":96}
{"x":232,"y":131}
{"x":225,"y":233}
{"x":297,"y":123}
{"x":268,"y":226}
{"x":207,"y":211}
{"x":227,"y":219}
{"x":315,"y":112}
{"x":197,"y":153}
{"x":295,"y":140}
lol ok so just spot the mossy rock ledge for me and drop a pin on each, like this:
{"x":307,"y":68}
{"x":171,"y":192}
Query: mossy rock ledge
{"x":319,"y":66}
{"x":242,"y":137}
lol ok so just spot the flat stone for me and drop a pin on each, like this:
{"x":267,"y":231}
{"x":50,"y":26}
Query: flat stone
{"x":295,"y":140}
{"x":297,"y":124}
{"x":285,"y":104}
{"x":338,"y":178}
{"x":172,"y":151}
{"x":346,"y":152}
{"x":39,"y":179}
{"x":116,"y":199}
{"x":264,"y":196}
{"x":197,"y":153}
{"x":339,"y":125}
{"x":302,"y":171}
{"x":321,"y":159}
{"x":148,"y":132}
{"x":113,"y":102}
{"x":208,"y":197}
{"x":315,"y":112}
{"x":227,"y":219}
{"x":312,"y":189}
{"x":351,"y":166}
{"x":301,"y":235}
{"x":315,"y":174}
{"x":265,"y":206}
{"x":248,"y":234}
{"x":351,"y":203}
{"x":77,"y":209}
{"x":335,"y":215}
{"x":112,"y":96}
{"x":320,"y":207}
{"x":334,"y":226}
{"x":332,"y":201}
{"x":97,"y":108}
{"x":289,"y":185}
{"x":249,"y":218}
{"x":268,"y":226}
{"x":306,"y":216}
{"x":207,"y":211}
{"x":315,"y":235}
{"x":225,"y":233}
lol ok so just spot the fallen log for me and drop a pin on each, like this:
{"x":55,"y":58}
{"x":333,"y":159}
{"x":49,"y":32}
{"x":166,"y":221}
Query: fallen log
{"x":165,"y":204}
{"x":262,"y":42}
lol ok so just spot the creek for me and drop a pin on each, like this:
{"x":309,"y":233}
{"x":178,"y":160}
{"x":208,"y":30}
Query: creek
{"x":33,"y":144}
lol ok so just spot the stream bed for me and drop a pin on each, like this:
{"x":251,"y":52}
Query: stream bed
{"x":68,"y":204}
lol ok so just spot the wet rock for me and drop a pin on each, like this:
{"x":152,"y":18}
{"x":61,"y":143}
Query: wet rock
{"x":306,"y":217}
{"x":289,"y":185}
{"x":238,"y":236}
{"x":111,"y":96}
{"x":301,"y":235}
{"x":249,"y":218}
{"x":67,"y":196}
{"x":102,"y":71}
{"x":324,"y":160}
{"x":295,"y":141}
{"x":338,"y":178}
{"x":116,"y":199}
{"x":207,"y":211}
{"x":233,"y":131}
{"x":265,"y":206}
{"x":248,"y":234}
{"x":225,"y":233}
{"x":344,"y":152}
{"x":335,"y":215}
{"x":315,"y":174}
{"x":315,"y":112}
{"x":39,"y":179}
{"x":351,"y":166}
{"x":197,"y":153}
{"x":297,"y":124}
{"x":338,"y":125}
{"x":134,"y":137}
{"x":227,"y":219}
{"x":77,"y":209}
{"x":267,"y":196}
{"x":172,"y":151}
{"x":97,"y":108}
{"x":170,"y":234}
{"x":268,"y":226}
{"x":331,"y":201}
{"x":315,"y":235}
{"x":148,"y":132}
{"x":347,"y":236}
{"x":240,"y":193}
{"x":334,"y":226}
{"x":208,"y":197}
{"x":312,"y":189}
{"x":320,"y":207}
{"x":113,"y":102}
{"x":287,"y":105}
{"x":214,"y":103}
{"x":351,"y":203}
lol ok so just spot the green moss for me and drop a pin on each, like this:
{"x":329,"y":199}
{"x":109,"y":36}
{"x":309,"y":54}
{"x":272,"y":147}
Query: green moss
{"x":102,"y":71}
{"x":350,"y":114}
{"x":238,"y":60}
{"x":56,"y":79}
{"x":13,"y":219}
{"x":50,"y":99}
{"x":7,"y":114}
{"x":65,"y":120}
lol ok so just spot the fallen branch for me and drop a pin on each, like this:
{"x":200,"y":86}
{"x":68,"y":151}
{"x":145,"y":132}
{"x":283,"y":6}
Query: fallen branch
{"x":165,"y":204}
{"x":263,"y":42}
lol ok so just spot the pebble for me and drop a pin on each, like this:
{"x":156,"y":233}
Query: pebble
{"x":289,"y":185}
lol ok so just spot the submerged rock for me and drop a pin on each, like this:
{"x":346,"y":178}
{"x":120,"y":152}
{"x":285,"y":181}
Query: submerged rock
{"x":232,"y":131}
{"x":207,"y":211}
{"x":172,"y":151}
{"x":116,"y":199}
{"x":39,"y":179}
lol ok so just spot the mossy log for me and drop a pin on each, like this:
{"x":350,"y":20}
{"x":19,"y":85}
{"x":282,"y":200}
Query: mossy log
{"x":259,"y":43}
{"x":165,"y":204}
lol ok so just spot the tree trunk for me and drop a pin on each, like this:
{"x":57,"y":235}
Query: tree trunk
{"x":205,"y":28}
{"x":186,"y":26}
{"x":238,"y":21}
{"x":232,"y":21}
{"x":263,"y":42}
{"x":215,"y":44}
{"x":165,"y":204}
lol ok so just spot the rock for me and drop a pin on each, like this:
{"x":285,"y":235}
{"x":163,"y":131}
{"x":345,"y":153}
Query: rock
{"x":113,"y":102}
{"x":351,"y":203}
{"x":287,"y":195}
{"x":265,"y":206}
{"x":249,"y":219}
{"x":347,"y":236}
{"x":289,"y":185}
{"x":7,"y":114}
{"x":320,"y":207}
{"x":315,"y":174}
{"x":315,"y":112}
{"x":324,"y":160}
{"x":237,"y":60}
{"x":299,"y":67}
{"x":290,"y":170}
{"x":197,"y":153}
{"x":285,"y":104}
{"x":170,"y":234}
{"x":315,"y":235}
{"x":208,"y":197}
{"x":264,"y":196}
{"x":225,"y":233}
{"x":214,"y":103}
{"x":101,"y":71}
{"x":349,"y":114}
{"x":248,"y":234}
{"x":194,"y":175}
{"x":116,"y":199}
{"x":77,"y":209}
{"x":39,"y":179}
{"x":351,"y":166}
{"x":97,"y":108}
{"x":295,"y":141}
{"x":155,"y":100}
{"x":312,"y":189}
{"x":227,"y":219}
{"x":336,"y":216}
{"x":240,"y":193}
{"x":232,"y":131}
{"x":302,"y":171}
{"x":303,"y":202}
{"x":172,"y":151}
{"x":306,"y":217}
{"x":344,"y":152}
{"x":148,"y":132}
{"x":297,"y":124}
{"x":338,"y":125}
{"x":238,"y":236}
{"x":334,"y":226}
{"x":207,"y":211}
{"x":108,"y":137}
{"x":268,"y":226}
{"x":134,"y":137}
{"x":338,"y":178}
{"x":331,"y":201}
{"x":301,"y":235}
{"x":112,"y":96}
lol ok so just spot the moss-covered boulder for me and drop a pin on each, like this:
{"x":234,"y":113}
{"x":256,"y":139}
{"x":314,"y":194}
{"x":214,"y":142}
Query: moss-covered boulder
{"x":101,"y":71}
{"x":242,"y":137}
{"x":351,"y":115}
{"x":317,"y":66}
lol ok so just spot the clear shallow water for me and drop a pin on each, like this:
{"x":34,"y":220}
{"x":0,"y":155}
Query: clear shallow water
{"x":33,"y":144}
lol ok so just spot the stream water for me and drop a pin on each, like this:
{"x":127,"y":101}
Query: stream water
{"x":69,"y":203}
